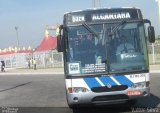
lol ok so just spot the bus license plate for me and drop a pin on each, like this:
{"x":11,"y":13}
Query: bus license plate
{"x":133,"y":93}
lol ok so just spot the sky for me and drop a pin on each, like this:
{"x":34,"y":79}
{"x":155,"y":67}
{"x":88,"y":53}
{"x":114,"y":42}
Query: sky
{"x":32,"y":16}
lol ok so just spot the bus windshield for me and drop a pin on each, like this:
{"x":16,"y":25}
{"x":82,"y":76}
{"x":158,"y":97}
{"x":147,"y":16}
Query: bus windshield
{"x":123,"y":51}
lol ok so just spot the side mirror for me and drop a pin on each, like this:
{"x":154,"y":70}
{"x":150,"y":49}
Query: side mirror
{"x":151,"y":34}
{"x":60,"y":44}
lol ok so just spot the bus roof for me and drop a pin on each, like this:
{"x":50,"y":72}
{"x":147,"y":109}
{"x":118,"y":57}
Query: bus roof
{"x":99,"y":8}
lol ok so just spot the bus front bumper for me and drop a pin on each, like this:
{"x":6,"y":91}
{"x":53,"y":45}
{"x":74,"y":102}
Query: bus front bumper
{"x":105,"y":98}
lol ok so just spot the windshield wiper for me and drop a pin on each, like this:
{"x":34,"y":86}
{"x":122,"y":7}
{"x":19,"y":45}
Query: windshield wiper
{"x":90,"y":29}
{"x":116,"y":27}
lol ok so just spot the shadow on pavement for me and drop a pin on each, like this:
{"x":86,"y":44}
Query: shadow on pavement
{"x":152,"y":101}
{"x":141,"y":105}
{"x":104,"y":109}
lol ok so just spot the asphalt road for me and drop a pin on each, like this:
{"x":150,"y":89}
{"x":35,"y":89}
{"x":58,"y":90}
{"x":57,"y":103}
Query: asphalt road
{"x":46,"y":94}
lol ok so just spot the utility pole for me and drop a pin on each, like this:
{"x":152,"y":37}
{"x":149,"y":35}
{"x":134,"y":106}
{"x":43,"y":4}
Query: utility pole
{"x":99,"y":3}
{"x":158,"y":1}
{"x":153,"y":46}
{"x":96,"y":3}
{"x":93,"y":3}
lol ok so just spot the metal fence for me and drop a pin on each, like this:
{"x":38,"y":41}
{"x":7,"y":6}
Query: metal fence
{"x":48,"y":59}
{"x":154,"y":53}
{"x":43,"y":59}
{"x":15,"y":60}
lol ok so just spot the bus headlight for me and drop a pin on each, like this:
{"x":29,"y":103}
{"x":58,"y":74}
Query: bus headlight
{"x":139,"y":85}
{"x":77,"y":90}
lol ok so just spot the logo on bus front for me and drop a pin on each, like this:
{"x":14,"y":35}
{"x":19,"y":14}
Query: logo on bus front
{"x":109,"y":85}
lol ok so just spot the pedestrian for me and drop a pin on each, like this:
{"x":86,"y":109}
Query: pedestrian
{"x":34,"y":64}
{"x":2,"y":66}
{"x":29,"y":64}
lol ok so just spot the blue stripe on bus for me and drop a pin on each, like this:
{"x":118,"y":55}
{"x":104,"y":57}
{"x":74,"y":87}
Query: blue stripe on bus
{"x":92,"y":82}
{"x":123,"y":80}
{"x":107,"y":80}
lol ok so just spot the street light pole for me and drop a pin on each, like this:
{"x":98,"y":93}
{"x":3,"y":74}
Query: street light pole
{"x":16,"y":28}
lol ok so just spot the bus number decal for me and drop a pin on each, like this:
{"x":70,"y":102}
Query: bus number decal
{"x":78,"y":19}
{"x":74,"y":68}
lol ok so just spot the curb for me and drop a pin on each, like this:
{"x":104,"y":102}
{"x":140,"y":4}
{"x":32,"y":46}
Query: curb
{"x":51,"y":73}
{"x":154,"y":71}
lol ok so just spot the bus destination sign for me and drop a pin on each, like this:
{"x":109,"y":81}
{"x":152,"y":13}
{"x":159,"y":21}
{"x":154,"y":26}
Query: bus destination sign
{"x":110,"y":16}
{"x":102,"y":16}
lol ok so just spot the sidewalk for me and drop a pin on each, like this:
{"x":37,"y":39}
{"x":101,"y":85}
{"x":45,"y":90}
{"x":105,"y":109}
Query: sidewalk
{"x":26,"y":71}
{"x":153,"y":69}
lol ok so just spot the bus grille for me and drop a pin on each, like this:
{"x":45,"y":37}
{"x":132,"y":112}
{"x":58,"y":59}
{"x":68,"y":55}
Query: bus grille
{"x":110,"y":98}
{"x":106,"y":89}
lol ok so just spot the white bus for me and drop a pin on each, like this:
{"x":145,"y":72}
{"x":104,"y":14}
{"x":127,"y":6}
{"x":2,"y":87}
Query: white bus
{"x":105,"y":55}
